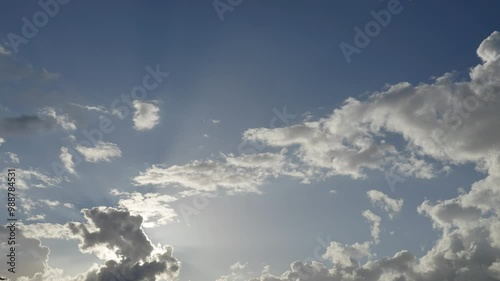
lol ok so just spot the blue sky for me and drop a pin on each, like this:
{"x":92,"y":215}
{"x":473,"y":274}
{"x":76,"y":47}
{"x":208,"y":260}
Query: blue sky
{"x":261,"y":141}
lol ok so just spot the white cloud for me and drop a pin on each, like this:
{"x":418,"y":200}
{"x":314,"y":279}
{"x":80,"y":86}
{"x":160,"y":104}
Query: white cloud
{"x":107,"y":230}
{"x":28,"y":204}
{"x":153,"y":207}
{"x":146,"y":115}
{"x":235,"y":173}
{"x":69,"y":205}
{"x":99,"y":109}
{"x":238,"y":266}
{"x":440,"y":121}
{"x":60,"y":119}
{"x":348,"y":142}
{"x":391,"y":206}
{"x":236,"y":273}
{"x":489,"y":50}
{"x":110,"y":229}
{"x":50,"y":203}
{"x":347,"y":255}
{"x":102,"y":151}
{"x":374,"y":221}
{"x":13,"y":157}
{"x":48,"y":231}
{"x":446,"y":122}
{"x":4,"y":52}
{"x":266,"y":269}
{"x":356,"y":137}
{"x":327,"y":146}
{"x":67,"y":160}
{"x":38,"y":217}
{"x":28,"y":178}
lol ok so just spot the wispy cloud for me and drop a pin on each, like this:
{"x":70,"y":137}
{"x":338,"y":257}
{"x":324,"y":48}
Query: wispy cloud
{"x":391,"y":206}
{"x":102,"y":151}
{"x":67,"y":160}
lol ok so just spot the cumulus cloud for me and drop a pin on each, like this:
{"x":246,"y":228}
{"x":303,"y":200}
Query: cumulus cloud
{"x":236,"y":272}
{"x":439,"y":121}
{"x":374,"y":221}
{"x":120,"y":232}
{"x":347,"y":255}
{"x":448,"y":121}
{"x":489,"y":50}
{"x":448,"y":213}
{"x":146,"y":115}
{"x":152,"y":207}
{"x":102,"y":151}
{"x":235,"y":173}
{"x":117,"y":230}
{"x":334,"y":151}
{"x":440,"y":124}
{"x":62,"y":120}
{"x":112,"y":234}
{"x":238,"y":266}
{"x":381,"y":270}
{"x":391,"y":206}
{"x":67,"y":160}
{"x":459,"y":255}
{"x":29,"y":252}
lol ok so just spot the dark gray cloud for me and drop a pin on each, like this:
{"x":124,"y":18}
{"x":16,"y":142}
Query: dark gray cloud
{"x":31,"y":255}
{"x":107,"y":231}
{"x":25,"y":124}
{"x":121,"y":232}
{"x":162,"y":265}
{"x":117,"y":229}
{"x":48,"y":119}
